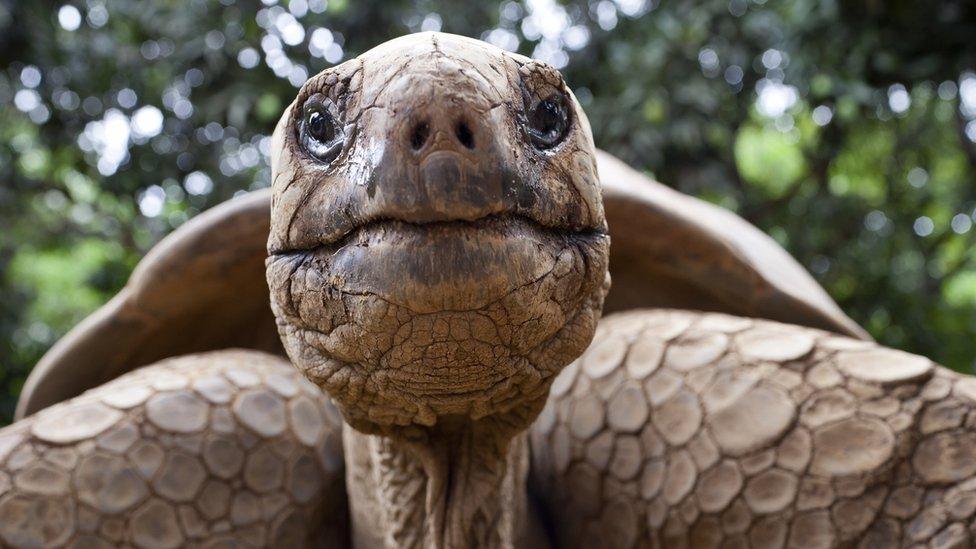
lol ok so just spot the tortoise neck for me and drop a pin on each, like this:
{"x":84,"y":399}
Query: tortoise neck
{"x":462,"y":487}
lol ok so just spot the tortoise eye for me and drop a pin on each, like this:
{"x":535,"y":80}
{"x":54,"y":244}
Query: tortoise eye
{"x":319,"y":131}
{"x":320,"y":128}
{"x":548,"y":121}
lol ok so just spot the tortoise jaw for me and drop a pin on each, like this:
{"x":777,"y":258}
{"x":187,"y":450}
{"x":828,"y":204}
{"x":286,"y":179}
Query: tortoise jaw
{"x":449,"y":265}
{"x":439,"y":318}
{"x":358,"y":231}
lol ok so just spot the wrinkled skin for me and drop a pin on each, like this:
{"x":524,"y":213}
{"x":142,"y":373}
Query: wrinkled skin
{"x":440,"y":265}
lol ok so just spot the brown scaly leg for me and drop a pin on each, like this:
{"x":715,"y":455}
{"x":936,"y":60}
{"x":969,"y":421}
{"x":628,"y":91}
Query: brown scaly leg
{"x":230,"y":446}
{"x":681,"y":429}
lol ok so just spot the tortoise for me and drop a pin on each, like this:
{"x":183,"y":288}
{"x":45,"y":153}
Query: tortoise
{"x":399,"y":344}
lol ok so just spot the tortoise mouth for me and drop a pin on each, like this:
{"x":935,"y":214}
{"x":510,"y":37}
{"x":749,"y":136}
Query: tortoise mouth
{"x":383,"y":227}
{"x":440,"y":266}
{"x":379,"y":224}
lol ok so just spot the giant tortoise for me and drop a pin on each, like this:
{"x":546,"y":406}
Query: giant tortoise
{"x":398,"y":345}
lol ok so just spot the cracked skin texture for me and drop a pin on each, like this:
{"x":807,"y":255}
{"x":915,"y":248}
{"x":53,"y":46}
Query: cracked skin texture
{"x":437,"y":293}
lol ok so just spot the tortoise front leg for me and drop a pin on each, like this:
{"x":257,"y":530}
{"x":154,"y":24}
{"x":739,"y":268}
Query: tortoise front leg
{"x":230,"y":446}
{"x":687,"y":429}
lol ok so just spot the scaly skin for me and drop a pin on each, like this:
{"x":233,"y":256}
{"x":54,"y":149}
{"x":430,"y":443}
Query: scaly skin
{"x":682,"y":429}
{"x":229,"y":447}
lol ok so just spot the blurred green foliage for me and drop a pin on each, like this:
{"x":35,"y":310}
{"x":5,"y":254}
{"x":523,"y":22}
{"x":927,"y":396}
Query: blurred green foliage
{"x":843,"y":128}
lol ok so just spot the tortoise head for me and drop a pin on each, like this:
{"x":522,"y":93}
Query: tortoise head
{"x":438,"y":247}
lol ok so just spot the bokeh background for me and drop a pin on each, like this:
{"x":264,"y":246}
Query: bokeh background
{"x":845,"y":129}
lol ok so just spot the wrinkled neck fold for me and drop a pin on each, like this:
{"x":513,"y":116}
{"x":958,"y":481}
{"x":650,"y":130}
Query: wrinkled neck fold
{"x":460,"y":488}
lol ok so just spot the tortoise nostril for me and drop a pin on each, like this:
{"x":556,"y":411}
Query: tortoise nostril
{"x":464,"y":134}
{"x":419,"y":135}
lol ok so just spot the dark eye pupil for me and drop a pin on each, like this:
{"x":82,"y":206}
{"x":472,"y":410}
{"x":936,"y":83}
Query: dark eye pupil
{"x":319,"y":127}
{"x":548,"y":121}
{"x":319,"y":131}
{"x":546,"y":117}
